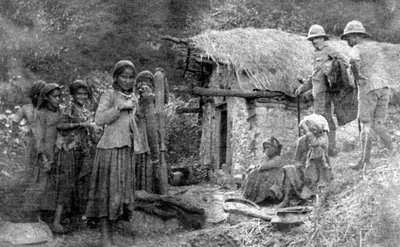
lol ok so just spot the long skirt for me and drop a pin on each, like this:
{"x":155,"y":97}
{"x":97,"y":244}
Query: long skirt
{"x":265,"y":185}
{"x":112,"y":183}
{"x":41,"y":193}
{"x":68,"y":167}
{"x":83,"y":183}
{"x":31,"y":155}
{"x":144,"y":173}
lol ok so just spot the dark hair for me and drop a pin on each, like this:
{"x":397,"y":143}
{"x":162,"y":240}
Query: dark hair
{"x":118,"y":72}
{"x":145,"y":78}
{"x":34,"y":91}
{"x":73,"y":88}
{"x":46,"y":90}
{"x":274,"y":143}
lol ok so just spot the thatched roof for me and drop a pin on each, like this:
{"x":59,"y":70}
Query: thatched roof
{"x":274,"y":59}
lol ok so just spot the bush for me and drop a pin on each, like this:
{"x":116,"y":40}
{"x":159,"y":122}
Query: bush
{"x":182,"y":133}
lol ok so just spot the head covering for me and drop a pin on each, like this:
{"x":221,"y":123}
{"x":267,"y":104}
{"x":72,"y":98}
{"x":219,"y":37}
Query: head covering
{"x":145,"y":77}
{"x":120,"y":66}
{"x":119,"y":69}
{"x":354,"y":27}
{"x":34,"y":91}
{"x":46,"y":90}
{"x":272,"y":142}
{"x":316,"y":31}
{"x":74,"y":86}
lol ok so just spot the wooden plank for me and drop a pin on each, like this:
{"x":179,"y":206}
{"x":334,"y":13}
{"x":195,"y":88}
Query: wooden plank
{"x":238,"y":93}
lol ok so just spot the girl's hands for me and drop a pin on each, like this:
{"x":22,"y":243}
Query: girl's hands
{"x":126,"y":105}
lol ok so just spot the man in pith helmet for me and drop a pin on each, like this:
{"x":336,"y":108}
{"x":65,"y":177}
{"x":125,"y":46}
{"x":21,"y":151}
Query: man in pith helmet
{"x":373,"y":94}
{"x":318,"y":82}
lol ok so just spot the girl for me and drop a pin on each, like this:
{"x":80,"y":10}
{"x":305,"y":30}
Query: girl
{"x":28,"y":113}
{"x":144,"y":170}
{"x":76,"y":133}
{"x":112,"y":183}
{"x":42,"y":194}
{"x":264,"y":184}
{"x":151,"y":173}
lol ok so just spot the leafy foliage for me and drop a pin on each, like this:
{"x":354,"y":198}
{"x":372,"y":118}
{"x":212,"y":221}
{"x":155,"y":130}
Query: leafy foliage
{"x":182,"y":133}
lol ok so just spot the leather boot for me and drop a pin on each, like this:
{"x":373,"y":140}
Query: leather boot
{"x":332,"y":151}
{"x":366,"y":146}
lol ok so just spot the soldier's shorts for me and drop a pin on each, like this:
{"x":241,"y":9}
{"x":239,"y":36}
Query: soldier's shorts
{"x":373,"y":107}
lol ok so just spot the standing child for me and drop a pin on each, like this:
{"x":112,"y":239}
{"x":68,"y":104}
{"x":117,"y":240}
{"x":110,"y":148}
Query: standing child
{"x":112,"y":183}
{"x":41,"y":195}
{"x":76,"y":129}
{"x":28,"y":113}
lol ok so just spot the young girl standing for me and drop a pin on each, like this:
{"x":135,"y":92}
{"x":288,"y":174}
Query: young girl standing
{"x":112,"y":183}
{"x":76,"y":132}
{"x":41,"y":194}
{"x":28,"y":113}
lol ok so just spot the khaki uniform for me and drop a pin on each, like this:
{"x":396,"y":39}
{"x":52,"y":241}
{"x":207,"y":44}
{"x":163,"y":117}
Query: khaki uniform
{"x":319,"y":84}
{"x":373,"y":96}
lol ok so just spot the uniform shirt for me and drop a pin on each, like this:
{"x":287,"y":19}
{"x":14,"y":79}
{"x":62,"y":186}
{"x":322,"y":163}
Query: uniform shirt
{"x":321,"y":63}
{"x":364,"y":57}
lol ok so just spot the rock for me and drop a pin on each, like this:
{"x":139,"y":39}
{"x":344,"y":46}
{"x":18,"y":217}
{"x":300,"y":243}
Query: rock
{"x":143,"y":224}
{"x":25,"y":233}
{"x":234,"y":219}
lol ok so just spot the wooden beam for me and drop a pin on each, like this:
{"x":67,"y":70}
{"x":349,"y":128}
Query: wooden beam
{"x":184,"y":110}
{"x":238,"y":93}
{"x":175,"y":40}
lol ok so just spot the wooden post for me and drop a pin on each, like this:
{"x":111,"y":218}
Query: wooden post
{"x":161,"y":92}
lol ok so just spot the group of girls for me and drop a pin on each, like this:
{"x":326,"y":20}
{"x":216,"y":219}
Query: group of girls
{"x":64,"y":175}
{"x":59,"y":144}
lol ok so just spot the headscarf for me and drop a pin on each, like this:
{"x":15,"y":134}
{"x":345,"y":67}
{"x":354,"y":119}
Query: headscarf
{"x":119,"y":67}
{"x":34,"y":91}
{"x":74,"y":86}
{"x":273,"y":142}
{"x":46,"y":90}
{"x":145,"y":78}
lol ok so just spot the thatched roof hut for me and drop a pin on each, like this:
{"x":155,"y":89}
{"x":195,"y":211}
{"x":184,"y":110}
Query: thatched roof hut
{"x":251,"y":76}
{"x":273,"y":59}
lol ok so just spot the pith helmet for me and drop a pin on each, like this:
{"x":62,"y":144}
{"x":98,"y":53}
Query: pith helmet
{"x":316,"y":31}
{"x":354,"y":27}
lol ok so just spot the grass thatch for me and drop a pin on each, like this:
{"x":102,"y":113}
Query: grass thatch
{"x":273,"y":59}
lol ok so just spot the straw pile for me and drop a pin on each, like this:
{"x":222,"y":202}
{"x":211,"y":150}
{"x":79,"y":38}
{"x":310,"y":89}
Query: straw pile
{"x":363,"y":212}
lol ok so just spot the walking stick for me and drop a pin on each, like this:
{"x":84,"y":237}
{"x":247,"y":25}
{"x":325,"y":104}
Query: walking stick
{"x":298,"y":114}
{"x":300,"y":80}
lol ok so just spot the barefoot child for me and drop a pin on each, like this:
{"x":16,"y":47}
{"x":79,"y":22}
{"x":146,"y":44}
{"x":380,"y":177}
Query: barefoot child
{"x":74,"y":140}
{"x":112,"y":183}
{"x":28,"y":113}
{"x":41,"y":194}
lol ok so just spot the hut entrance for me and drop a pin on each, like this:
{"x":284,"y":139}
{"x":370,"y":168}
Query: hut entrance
{"x":222,"y":129}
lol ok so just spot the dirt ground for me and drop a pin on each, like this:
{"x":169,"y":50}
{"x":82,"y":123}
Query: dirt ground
{"x":220,"y":229}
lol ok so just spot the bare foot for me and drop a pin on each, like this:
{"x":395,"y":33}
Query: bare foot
{"x":58,"y":228}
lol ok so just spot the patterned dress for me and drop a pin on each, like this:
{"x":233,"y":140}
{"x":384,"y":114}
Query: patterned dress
{"x":74,"y":159}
